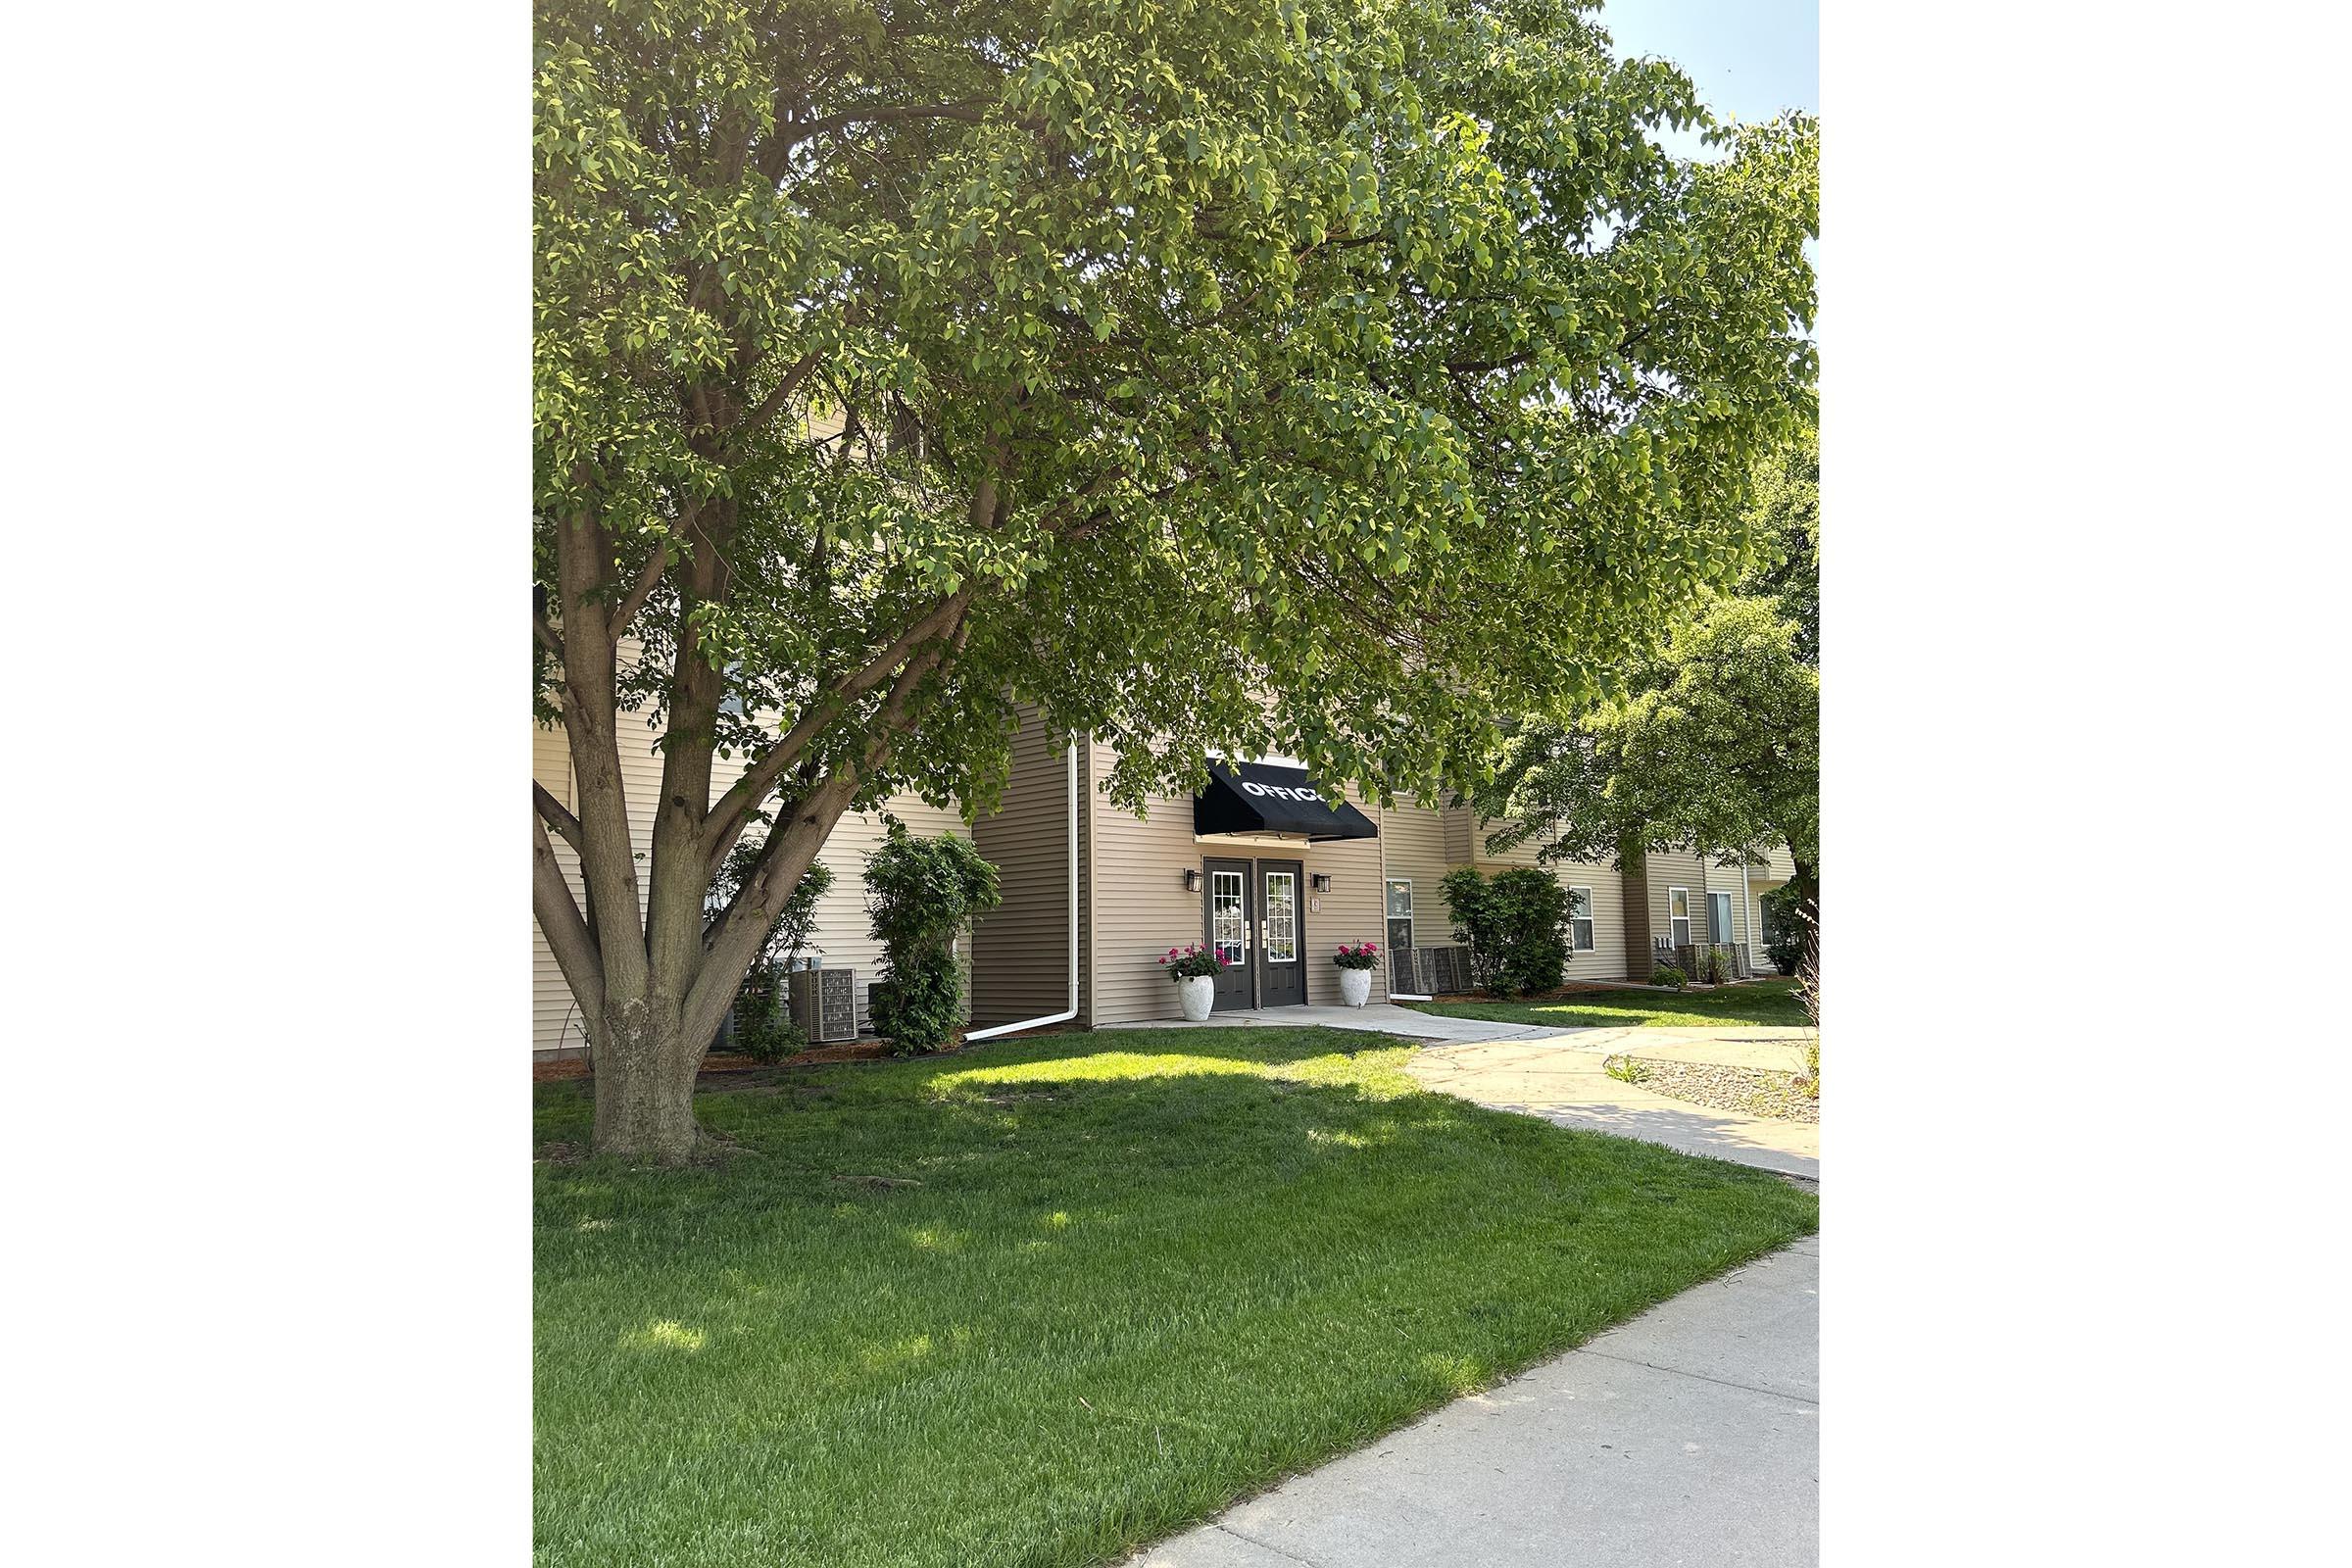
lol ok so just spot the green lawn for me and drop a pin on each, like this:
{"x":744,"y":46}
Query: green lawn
{"x":1126,"y":1278}
{"x":1771,"y":1002}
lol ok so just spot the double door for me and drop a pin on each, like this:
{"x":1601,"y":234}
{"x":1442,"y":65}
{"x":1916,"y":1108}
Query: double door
{"x":1253,"y":916}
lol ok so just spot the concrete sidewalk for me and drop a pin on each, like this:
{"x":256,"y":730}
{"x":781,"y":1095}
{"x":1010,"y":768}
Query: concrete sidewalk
{"x":1688,"y":1436}
{"x":1559,"y":1078}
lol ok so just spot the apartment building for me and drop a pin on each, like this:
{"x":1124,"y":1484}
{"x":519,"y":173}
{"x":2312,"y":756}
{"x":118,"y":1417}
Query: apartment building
{"x":1264,"y":865}
{"x":1274,"y":873}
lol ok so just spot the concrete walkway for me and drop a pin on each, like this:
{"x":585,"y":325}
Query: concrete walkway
{"x":1688,"y":1436}
{"x":1558,"y":1077}
{"x":1379,"y":1017}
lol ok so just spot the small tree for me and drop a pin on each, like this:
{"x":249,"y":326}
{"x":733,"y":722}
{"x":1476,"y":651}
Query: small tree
{"x":918,"y":895}
{"x":1783,"y":927}
{"x":764,"y":1030}
{"x":1515,"y":927}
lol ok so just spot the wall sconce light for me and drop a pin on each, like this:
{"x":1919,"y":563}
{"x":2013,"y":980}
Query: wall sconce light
{"x":1192,"y":879}
{"x":1318,"y":882}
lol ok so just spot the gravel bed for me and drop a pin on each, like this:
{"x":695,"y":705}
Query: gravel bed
{"x":1753,"y":1090}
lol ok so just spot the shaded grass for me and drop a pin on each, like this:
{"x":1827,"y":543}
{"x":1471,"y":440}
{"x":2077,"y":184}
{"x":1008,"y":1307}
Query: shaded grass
{"x":1764,"y":1001}
{"x":1142,"y":1274}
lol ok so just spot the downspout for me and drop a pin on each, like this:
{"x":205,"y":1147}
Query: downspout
{"x":1071,"y":1011}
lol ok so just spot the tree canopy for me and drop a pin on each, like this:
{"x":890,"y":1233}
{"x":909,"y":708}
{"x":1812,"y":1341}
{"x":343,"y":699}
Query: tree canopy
{"x":1716,"y":742}
{"x":1300,"y":377}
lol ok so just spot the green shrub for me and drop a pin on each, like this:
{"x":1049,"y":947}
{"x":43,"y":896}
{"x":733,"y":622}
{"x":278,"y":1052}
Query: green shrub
{"x":1515,"y":926}
{"x":918,"y":895}
{"x":763,"y":1024}
{"x":1784,"y":928}
{"x":1670,"y":977}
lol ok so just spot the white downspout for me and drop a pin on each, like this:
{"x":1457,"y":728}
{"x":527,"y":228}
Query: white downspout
{"x":1071,"y":1011}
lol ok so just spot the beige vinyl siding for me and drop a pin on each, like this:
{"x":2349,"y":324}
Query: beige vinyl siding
{"x":841,"y":928}
{"x":1460,"y":849}
{"x":1021,"y":952}
{"x":1142,"y":908}
{"x":1607,"y":961}
{"x":1353,"y":910}
{"x":1676,"y":868}
{"x":1138,"y":864}
{"x":1413,"y":840}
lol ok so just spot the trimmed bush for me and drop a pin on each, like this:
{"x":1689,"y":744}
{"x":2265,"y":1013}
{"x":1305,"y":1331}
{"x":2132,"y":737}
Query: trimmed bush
{"x":1784,"y":928}
{"x":1670,"y":977}
{"x":1515,"y":926}
{"x":918,"y":895}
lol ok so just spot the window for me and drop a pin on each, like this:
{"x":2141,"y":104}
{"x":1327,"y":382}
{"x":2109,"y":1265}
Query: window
{"x":1282,"y":917}
{"x":1719,"y":917}
{"x":1401,"y":917}
{"x":1225,"y":914}
{"x":1678,"y":916}
{"x":1580,"y":918}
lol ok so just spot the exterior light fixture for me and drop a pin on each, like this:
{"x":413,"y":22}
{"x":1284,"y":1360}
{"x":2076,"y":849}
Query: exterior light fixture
{"x":1319,"y":882}
{"x":1192,"y":879}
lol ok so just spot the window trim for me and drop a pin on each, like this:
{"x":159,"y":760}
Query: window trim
{"x":1671,"y":918}
{"x":1574,"y":920}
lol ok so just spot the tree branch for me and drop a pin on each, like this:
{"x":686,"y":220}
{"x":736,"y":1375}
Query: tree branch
{"x":784,"y":389}
{"x":566,"y":928}
{"x":552,"y":810}
{"x":639,"y":592}
{"x":726,"y":819}
{"x":546,"y":635}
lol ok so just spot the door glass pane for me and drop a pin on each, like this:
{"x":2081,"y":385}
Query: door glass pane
{"x":1719,"y":916}
{"x":1225,"y":914}
{"x":1282,"y":917}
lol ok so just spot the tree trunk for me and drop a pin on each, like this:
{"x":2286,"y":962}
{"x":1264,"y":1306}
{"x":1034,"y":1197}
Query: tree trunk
{"x":645,"y":1071}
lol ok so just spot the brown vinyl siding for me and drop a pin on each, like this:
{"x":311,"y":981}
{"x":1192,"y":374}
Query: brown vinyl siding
{"x":1021,"y":950}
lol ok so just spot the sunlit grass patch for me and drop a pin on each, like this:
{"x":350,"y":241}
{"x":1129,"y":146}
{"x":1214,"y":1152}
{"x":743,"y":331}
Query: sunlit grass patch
{"x":1043,"y":1300}
{"x":1765,"y":1001}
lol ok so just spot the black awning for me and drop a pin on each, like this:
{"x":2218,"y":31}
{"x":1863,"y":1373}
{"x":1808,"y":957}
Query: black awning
{"x":1267,"y":797}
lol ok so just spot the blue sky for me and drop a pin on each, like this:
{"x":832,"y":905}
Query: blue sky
{"x":1750,"y":58}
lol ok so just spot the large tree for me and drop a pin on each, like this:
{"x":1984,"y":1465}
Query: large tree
{"x":1714,"y":743}
{"x":899,"y":363}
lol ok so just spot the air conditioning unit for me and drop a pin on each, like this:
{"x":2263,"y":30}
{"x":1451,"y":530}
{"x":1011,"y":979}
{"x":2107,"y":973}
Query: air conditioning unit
{"x":824,"y":1004}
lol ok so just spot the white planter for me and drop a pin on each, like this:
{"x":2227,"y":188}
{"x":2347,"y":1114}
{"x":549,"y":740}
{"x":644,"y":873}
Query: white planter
{"x":1198,"y":994}
{"x":1355,"y":986}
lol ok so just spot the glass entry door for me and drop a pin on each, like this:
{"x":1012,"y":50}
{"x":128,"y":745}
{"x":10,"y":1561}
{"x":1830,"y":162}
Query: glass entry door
{"x":1225,"y":913}
{"x":1282,"y":935}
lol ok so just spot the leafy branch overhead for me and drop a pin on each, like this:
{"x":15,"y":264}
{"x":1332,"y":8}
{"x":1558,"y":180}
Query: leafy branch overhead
{"x":1346,"y":353}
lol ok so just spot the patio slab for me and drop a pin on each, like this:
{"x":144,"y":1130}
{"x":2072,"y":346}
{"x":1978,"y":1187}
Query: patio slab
{"x":1559,"y":1078}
